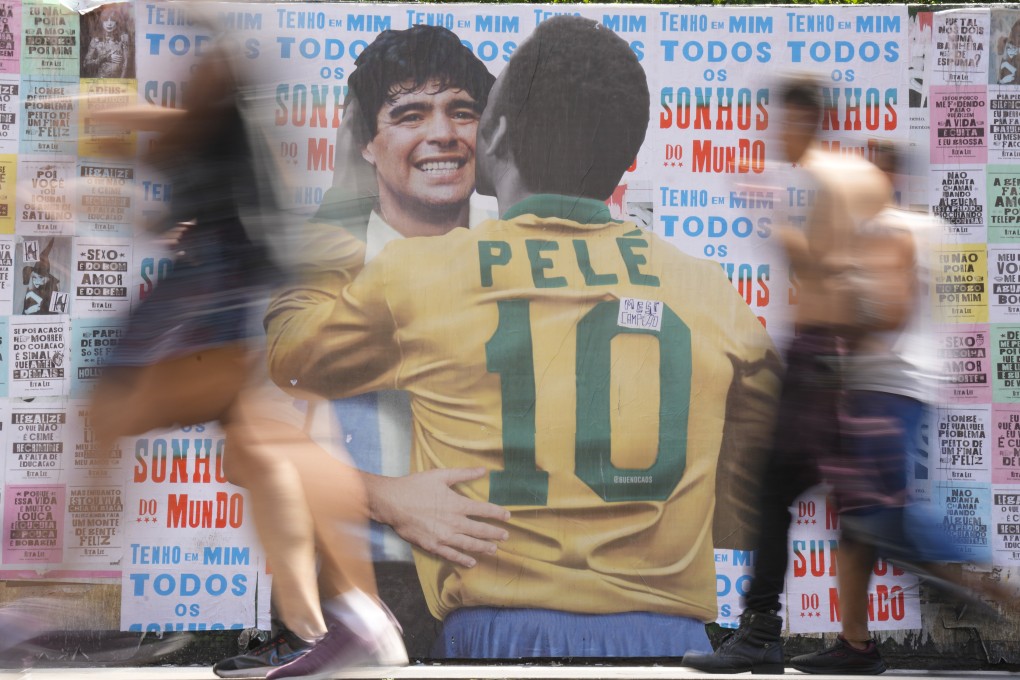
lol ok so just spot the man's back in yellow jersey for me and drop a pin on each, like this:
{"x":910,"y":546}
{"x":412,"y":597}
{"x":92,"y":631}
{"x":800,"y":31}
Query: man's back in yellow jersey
{"x":588,"y":365}
{"x":594,"y":370}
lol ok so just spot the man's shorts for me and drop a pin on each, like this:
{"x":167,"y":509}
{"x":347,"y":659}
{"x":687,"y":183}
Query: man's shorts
{"x":502,"y":633}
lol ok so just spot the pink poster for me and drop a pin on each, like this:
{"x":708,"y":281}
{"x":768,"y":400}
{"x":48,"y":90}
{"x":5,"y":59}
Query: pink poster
{"x":958,"y":124}
{"x":963,"y":352}
{"x":1006,"y":444}
{"x":10,"y":36}
{"x":33,"y":524}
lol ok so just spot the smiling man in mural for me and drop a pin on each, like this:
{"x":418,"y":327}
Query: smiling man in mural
{"x":405,"y":167}
{"x":560,"y":351}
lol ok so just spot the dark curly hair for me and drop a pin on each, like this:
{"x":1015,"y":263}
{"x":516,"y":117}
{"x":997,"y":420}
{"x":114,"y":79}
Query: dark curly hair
{"x":577,"y":105}
{"x":398,"y":62}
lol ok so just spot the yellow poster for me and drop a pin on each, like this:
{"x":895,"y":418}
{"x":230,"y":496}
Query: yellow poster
{"x":8,"y":181}
{"x":102,"y":140}
{"x":961,"y":284}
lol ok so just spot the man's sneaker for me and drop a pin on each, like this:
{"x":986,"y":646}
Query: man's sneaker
{"x":340,"y":649}
{"x":755,"y":647}
{"x":842,"y":659}
{"x":256,"y":663}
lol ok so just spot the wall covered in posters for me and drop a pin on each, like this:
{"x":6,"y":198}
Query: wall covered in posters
{"x":165,"y":523}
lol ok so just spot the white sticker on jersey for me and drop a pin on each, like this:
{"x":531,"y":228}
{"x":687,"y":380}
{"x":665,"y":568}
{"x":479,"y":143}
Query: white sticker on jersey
{"x":640,"y":314}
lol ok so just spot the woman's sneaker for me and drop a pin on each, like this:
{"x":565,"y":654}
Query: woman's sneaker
{"x":341,"y":649}
{"x":842,"y":659}
{"x":281,"y":649}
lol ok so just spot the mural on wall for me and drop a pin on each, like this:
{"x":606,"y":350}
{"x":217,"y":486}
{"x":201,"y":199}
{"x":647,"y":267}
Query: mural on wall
{"x":164,"y":522}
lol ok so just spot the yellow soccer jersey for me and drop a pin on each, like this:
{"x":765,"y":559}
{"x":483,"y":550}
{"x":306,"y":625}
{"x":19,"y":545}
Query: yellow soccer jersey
{"x":588,"y":364}
{"x":335,"y":256}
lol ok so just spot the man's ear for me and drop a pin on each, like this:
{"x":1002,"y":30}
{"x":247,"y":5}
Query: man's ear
{"x":497,"y":143}
{"x":367,"y":154}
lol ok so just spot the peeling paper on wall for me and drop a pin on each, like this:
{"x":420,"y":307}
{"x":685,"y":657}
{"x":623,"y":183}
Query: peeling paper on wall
{"x":86,"y":6}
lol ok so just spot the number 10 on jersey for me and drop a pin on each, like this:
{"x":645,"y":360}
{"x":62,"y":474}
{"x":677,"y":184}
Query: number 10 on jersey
{"x":510,"y":354}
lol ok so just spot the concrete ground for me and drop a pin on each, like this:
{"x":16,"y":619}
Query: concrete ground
{"x":459,"y":672}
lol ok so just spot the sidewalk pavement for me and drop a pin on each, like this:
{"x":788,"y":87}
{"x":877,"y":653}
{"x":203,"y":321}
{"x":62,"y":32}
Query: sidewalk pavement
{"x":490,"y":672}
